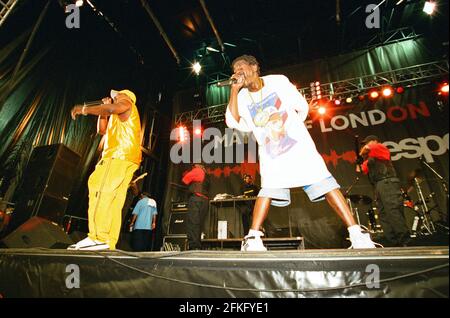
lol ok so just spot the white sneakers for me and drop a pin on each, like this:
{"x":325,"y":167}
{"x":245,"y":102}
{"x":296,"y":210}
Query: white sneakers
{"x":89,"y":244}
{"x":360,"y":238}
{"x":252,"y":242}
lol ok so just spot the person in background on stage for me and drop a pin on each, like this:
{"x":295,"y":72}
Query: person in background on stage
{"x":118,"y":120}
{"x":272,"y":108}
{"x":198,"y":181}
{"x":143,"y":222}
{"x":248,"y":189}
{"x":378,"y":166}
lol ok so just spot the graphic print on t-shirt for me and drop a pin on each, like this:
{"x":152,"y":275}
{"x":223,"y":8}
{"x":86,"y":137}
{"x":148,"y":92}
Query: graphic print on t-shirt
{"x":267,"y":115}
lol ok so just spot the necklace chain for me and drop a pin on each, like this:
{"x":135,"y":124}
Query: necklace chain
{"x":261,"y":95}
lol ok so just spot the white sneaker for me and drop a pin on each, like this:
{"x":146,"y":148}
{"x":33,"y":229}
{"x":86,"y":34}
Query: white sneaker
{"x":361,"y":239}
{"x":253,"y":243}
{"x":89,"y":244}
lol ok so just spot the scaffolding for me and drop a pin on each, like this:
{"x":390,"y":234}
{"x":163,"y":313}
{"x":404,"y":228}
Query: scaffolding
{"x":5,"y":9}
{"x":406,"y":77}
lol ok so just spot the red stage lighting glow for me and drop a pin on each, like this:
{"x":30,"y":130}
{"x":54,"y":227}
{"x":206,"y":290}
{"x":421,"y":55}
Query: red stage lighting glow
{"x":374,"y":94}
{"x":198,"y":131}
{"x":322,"y":110}
{"x":400,"y":90}
{"x":444,"y":88}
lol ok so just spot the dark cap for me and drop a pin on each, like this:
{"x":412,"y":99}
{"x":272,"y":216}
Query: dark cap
{"x":370,"y":138}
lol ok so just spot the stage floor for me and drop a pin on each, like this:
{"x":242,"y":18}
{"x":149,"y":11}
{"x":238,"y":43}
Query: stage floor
{"x":387,"y":272}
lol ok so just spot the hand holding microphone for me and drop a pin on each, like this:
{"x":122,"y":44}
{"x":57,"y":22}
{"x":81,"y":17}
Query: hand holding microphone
{"x":236,"y":80}
{"x":80,"y":109}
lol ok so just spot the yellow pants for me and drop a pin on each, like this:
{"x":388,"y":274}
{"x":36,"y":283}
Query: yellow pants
{"x":108,"y":186}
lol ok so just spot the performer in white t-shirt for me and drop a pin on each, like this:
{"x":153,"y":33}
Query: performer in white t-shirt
{"x":273,"y":109}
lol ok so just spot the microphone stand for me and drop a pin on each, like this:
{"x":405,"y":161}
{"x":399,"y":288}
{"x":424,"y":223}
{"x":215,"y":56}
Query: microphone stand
{"x":349,"y":201}
{"x":444,"y":182}
{"x":351,"y":187}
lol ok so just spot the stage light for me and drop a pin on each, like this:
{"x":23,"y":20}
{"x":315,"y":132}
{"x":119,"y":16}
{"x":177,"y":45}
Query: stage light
{"x":361,"y":98}
{"x":429,"y":7}
{"x":374,"y":94}
{"x":400,"y":90}
{"x":387,"y":91}
{"x":444,"y":88}
{"x":198,"y":131}
{"x":349,"y":100}
{"x":79,"y":3}
{"x":322,"y":110}
{"x":337,"y":102}
{"x":196,"y":67}
{"x":182,"y":134}
{"x":316,"y":92}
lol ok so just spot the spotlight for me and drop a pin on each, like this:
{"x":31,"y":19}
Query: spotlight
{"x":196,"y":67}
{"x":349,"y":100}
{"x":444,"y":88}
{"x":322,"y":110}
{"x":316,"y":92}
{"x":337,"y":102}
{"x":79,"y":3}
{"x":374,"y":94}
{"x":387,"y":91}
{"x":198,"y":131}
{"x":400,"y":90}
{"x":182,"y":134}
{"x":429,"y":7}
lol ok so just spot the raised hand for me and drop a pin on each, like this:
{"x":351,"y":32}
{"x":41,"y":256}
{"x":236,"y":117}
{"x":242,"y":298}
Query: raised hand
{"x":76,"y":110}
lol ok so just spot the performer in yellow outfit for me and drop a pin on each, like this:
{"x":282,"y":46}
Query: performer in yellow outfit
{"x":118,"y":118}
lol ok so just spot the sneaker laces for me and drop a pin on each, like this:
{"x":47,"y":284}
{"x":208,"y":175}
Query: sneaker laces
{"x":248,"y":236}
{"x":366,"y":231}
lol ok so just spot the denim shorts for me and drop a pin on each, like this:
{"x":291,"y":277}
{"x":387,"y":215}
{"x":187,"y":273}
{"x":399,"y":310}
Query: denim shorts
{"x":316,"y":192}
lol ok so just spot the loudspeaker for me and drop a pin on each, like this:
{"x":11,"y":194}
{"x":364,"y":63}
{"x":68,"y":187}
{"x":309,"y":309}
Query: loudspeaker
{"x":175,"y":243}
{"x":38,"y":232}
{"x":177,"y":223}
{"x":47,"y":184}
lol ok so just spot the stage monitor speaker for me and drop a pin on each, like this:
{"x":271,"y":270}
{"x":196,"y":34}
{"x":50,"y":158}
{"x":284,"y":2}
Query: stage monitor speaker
{"x":47,"y":184}
{"x":175,"y":243}
{"x":177,"y":223}
{"x":38,"y":232}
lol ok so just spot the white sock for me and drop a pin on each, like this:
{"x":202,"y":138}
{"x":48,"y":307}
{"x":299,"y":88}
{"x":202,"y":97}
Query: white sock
{"x":354,"y":229}
{"x":254,"y":233}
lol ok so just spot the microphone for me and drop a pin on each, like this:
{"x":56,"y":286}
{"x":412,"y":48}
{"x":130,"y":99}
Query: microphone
{"x":227,"y":82}
{"x":93,"y":102}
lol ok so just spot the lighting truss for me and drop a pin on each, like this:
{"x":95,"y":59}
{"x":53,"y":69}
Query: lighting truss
{"x":5,"y":9}
{"x":407,"y":77}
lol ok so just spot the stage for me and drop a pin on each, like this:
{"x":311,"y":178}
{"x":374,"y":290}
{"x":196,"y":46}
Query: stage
{"x":418,"y":272}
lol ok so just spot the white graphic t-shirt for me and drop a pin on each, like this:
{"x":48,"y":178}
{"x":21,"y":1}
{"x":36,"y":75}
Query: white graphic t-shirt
{"x":287,"y":154}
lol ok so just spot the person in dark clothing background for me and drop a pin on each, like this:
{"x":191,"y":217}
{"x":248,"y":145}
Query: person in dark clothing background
{"x":377,"y":164}
{"x":248,"y":189}
{"x":198,"y":181}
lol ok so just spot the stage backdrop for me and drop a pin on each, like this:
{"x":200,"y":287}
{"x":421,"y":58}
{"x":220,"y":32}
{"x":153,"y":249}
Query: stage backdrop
{"x":413,"y":125}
